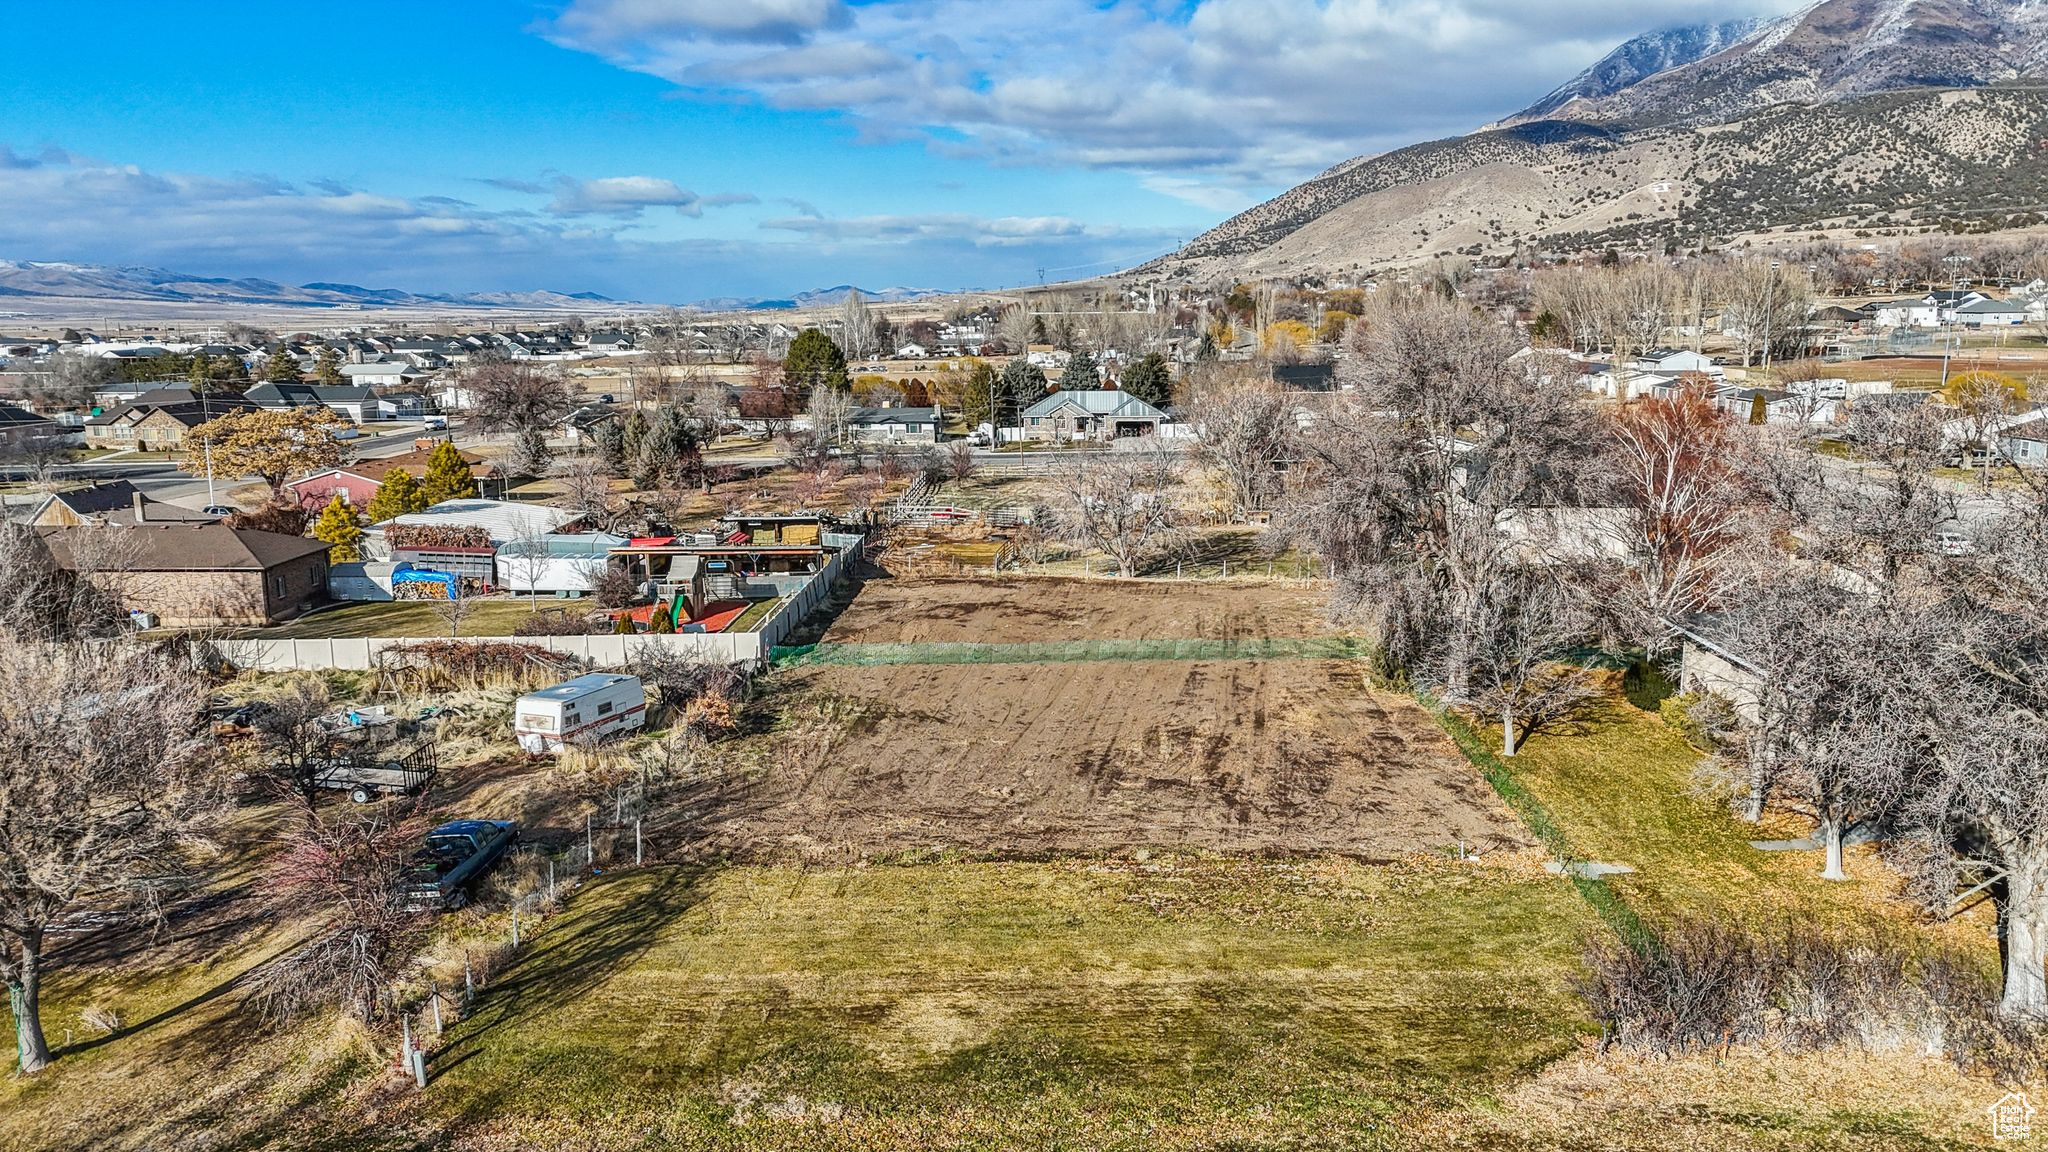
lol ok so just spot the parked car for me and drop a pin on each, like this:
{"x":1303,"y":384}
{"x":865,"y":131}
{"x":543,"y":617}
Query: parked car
{"x":221,"y":510}
{"x":434,"y":421}
{"x":456,"y":856}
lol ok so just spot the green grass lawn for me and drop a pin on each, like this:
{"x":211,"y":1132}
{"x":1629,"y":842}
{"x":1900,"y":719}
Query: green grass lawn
{"x":1022,"y":1004}
{"x":492,"y":617}
{"x":750,"y":620}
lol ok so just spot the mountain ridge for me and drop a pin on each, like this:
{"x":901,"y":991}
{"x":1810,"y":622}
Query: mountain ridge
{"x":1627,"y":152}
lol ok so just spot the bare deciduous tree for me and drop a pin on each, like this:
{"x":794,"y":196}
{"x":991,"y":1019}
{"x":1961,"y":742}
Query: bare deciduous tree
{"x":348,"y":868}
{"x":102,"y":788}
{"x":1245,"y":427}
{"x":1677,"y":466}
{"x":1122,"y":504}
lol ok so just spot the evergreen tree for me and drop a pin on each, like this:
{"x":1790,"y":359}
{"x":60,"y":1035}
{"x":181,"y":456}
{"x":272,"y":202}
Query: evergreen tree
{"x":327,"y":369}
{"x":396,"y":496}
{"x":531,"y":455}
{"x":1080,"y":375}
{"x":448,"y":475}
{"x":635,"y":435}
{"x":1149,"y":380}
{"x":337,"y":526}
{"x":662,"y":622}
{"x":281,"y":367}
{"x":815,"y":362}
{"x":611,"y":445}
{"x":1019,"y":387}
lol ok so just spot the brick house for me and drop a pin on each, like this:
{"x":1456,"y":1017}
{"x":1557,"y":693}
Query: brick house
{"x":357,"y":483}
{"x":156,"y":421}
{"x":198,"y":575}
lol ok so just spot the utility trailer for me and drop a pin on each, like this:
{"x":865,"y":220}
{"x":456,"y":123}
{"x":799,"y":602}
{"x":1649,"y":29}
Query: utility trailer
{"x":366,"y":773}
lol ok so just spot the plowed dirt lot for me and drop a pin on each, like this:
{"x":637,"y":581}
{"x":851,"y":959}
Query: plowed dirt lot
{"x":1289,"y":756}
{"x":1035,"y":609}
{"x":1031,"y":759}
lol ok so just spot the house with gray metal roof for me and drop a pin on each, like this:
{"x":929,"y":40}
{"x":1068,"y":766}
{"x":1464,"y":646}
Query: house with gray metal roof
{"x":1092,"y":414}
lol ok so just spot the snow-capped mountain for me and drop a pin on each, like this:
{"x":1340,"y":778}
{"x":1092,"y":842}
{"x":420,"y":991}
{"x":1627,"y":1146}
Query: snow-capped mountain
{"x":1638,"y":60}
{"x":1832,"y":50}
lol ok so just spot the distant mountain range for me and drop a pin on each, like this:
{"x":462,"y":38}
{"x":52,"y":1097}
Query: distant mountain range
{"x":63,"y":281}
{"x":816,"y":298}
{"x":19,"y":278}
{"x":1852,"y":115}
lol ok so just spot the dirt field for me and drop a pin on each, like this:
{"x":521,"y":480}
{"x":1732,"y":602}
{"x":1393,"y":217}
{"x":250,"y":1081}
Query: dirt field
{"x":1289,"y":756}
{"x":1031,"y":609}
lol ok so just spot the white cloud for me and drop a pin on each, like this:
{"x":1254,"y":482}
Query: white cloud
{"x":621,"y":196}
{"x":1248,"y":93}
{"x":60,"y":206}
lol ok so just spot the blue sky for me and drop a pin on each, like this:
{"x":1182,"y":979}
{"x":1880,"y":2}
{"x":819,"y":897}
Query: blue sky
{"x":679,"y":149}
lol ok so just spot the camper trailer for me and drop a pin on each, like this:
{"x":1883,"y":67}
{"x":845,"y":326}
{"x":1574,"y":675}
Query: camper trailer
{"x":586,"y":710}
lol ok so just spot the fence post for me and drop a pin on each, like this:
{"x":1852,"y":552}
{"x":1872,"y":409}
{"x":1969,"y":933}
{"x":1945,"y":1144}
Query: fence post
{"x":551,"y":879}
{"x":436,"y":999}
{"x":468,"y":979}
{"x":636,"y":842}
{"x":515,"y":926}
{"x":589,"y":853}
{"x":405,"y":1040}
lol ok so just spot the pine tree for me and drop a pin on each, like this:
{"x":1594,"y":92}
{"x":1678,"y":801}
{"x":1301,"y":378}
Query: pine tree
{"x":1080,"y":375}
{"x":396,"y":496}
{"x":622,"y":624}
{"x":663,"y":621}
{"x":815,"y":362}
{"x":281,"y":367}
{"x":448,"y":475}
{"x":337,"y":526}
{"x":1149,"y":380}
{"x":327,"y":369}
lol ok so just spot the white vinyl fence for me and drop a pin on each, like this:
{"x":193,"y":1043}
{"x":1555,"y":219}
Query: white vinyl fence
{"x":607,"y":651}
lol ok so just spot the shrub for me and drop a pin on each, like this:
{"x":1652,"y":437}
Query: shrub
{"x":616,"y":589}
{"x":1707,"y":983}
{"x":454,"y":665}
{"x":1647,"y":684}
{"x":1707,"y":720}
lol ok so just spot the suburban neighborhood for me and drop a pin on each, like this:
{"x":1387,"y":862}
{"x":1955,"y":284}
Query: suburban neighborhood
{"x":1265,"y":600}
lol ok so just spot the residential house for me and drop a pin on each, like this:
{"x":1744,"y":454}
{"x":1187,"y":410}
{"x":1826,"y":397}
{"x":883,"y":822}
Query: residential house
{"x":107,"y":502}
{"x":1779,"y":406}
{"x":156,"y":421}
{"x":353,"y":401}
{"x":1094,"y":414}
{"x":1949,"y":300}
{"x":19,"y":426}
{"x":609,"y":340}
{"x":1711,"y":660}
{"x":912,"y":351}
{"x":897,"y":425}
{"x":1305,"y":377}
{"x":1902,"y":314}
{"x":1677,"y":362}
{"x":357,"y":483}
{"x":1992,"y":314}
{"x":199,"y":575}
{"x":586,"y":423}
{"x":384,"y":374}
{"x":2025,"y":444}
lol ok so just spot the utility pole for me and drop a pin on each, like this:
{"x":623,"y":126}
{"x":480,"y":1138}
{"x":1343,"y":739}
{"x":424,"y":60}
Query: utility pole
{"x":1770,"y":294}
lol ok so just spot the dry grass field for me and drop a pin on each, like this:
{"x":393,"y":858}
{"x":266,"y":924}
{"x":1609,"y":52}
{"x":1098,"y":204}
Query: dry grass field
{"x":1082,"y":904}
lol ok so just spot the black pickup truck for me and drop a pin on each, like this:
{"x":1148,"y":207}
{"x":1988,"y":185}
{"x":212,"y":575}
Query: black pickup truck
{"x":456,"y":855}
